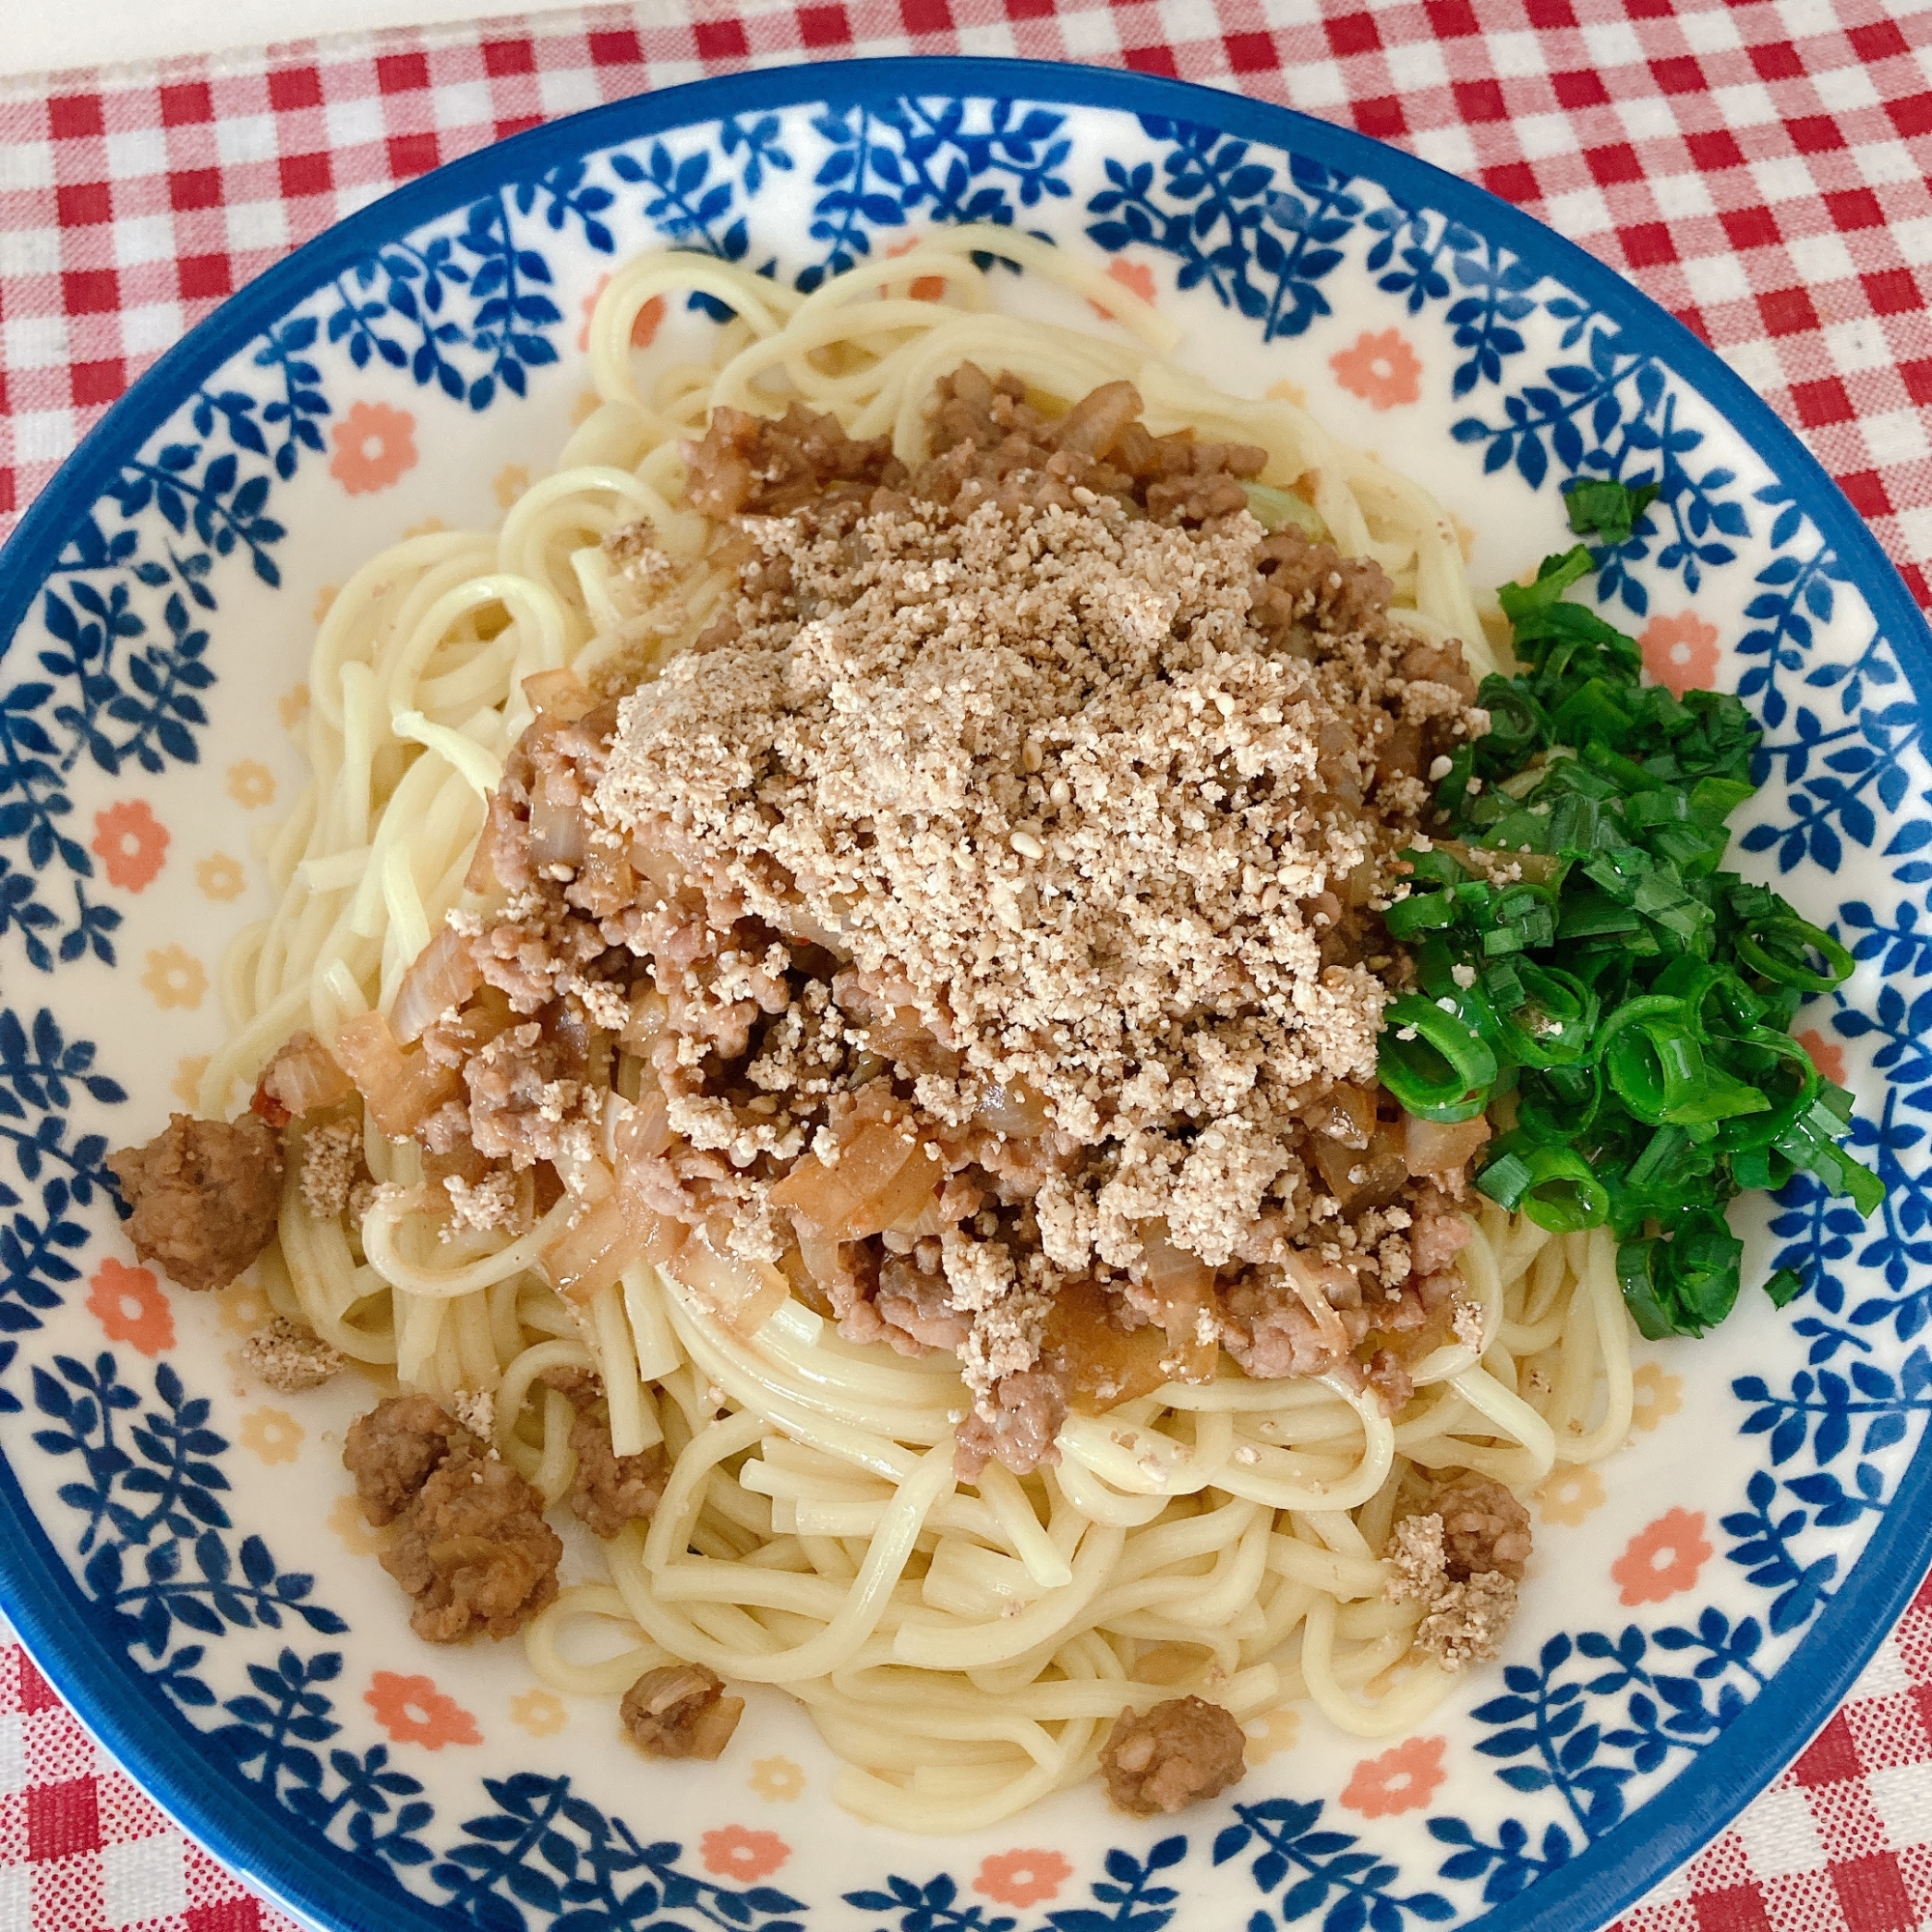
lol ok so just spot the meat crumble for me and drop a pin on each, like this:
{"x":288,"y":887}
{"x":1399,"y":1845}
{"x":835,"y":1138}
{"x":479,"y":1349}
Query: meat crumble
{"x":1461,"y":1556}
{"x":680,"y":1710}
{"x":471,"y":1546}
{"x":979,"y":923}
{"x":1171,"y":1756}
{"x":202,"y":1196}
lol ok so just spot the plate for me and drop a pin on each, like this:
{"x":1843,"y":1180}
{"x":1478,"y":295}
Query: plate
{"x":180,"y":1549}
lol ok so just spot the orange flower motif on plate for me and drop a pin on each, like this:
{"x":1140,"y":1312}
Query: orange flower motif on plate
{"x":129,"y":1304}
{"x":1285,"y":391}
{"x":1657,"y":1393}
{"x":1827,"y":1055}
{"x":539,"y":1712}
{"x":777,"y":1778}
{"x":250,"y":783}
{"x":292,"y":707}
{"x":186,"y":1087}
{"x":323,"y":598}
{"x":415,"y":1712}
{"x":429,"y":526}
{"x":1269,"y":1736}
{"x":1401,"y":1780}
{"x":374,"y":445}
{"x":1381,"y":368}
{"x":643,"y":325}
{"x":346,"y":1518}
{"x":1136,"y":277}
{"x":219,"y":876}
{"x":509,"y":483}
{"x":242,"y":1307}
{"x":130,"y":842}
{"x":1022,"y":1878}
{"x":1681,"y":652}
{"x":272,"y":1434}
{"x":175,"y":978}
{"x":925,"y":288}
{"x":1569,"y":1495}
{"x":732,"y":1852}
{"x":1662,"y":1559}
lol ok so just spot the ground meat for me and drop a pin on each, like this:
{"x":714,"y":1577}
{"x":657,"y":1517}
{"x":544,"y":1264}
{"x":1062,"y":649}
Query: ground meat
{"x":1484,"y":1527}
{"x":203,"y":1196}
{"x":474,"y":1550}
{"x":394,"y":1449}
{"x":680,"y":1710}
{"x":1462,"y":1558}
{"x":1168,"y":1757}
{"x":527,"y":1102}
{"x":754,"y":466}
{"x":1015,"y":1426}
{"x":290,"y":1357}
{"x":608,"y":1489}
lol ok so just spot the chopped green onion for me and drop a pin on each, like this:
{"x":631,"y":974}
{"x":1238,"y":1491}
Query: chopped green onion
{"x":1779,"y":949}
{"x":1785,"y":1286}
{"x":1553,"y":1185}
{"x":1435,"y":1065}
{"x":1623,"y":1006}
{"x":1607,"y":508}
{"x":1274,"y":509}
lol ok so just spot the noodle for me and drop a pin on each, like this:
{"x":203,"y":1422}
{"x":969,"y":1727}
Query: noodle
{"x":961,"y":1646}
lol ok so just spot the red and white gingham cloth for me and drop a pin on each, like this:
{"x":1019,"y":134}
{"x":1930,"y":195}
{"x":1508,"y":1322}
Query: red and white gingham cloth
{"x":1761,"y":168}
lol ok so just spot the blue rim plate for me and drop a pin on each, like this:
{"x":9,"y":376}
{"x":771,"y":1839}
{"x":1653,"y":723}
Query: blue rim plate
{"x":173,"y":1550}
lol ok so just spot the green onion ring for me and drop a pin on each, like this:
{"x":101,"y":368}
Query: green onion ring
{"x":1753,"y":949}
{"x":1444,"y":1073}
{"x":1565,"y":1003}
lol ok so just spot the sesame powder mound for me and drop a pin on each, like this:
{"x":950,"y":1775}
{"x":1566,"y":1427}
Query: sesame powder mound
{"x":1040,"y":776}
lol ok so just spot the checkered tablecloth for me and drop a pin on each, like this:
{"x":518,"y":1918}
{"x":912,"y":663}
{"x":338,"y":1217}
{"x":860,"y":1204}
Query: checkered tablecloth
{"x":1761,"y":168}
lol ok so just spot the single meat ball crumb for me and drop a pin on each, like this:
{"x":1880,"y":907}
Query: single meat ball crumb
{"x":608,"y":1489}
{"x":680,"y":1710}
{"x":332,"y":1164}
{"x":1484,"y":1527}
{"x":474,"y":1550}
{"x":1467,"y":1620}
{"x":203,"y":1196}
{"x":1461,"y":1560}
{"x":395,"y":1449}
{"x":1168,"y":1757}
{"x":288,"y":1358}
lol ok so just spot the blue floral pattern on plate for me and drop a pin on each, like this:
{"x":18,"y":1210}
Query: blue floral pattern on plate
{"x":195,"y":521}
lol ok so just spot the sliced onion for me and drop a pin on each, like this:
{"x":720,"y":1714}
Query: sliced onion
{"x":653,"y":863}
{"x":1432,"y":1146}
{"x":1309,"y":1280}
{"x":744,"y":1294}
{"x":558,"y":697}
{"x":401,"y":1089}
{"x":1359,"y":1178}
{"x":558,"y":835}
{"x":643,"y":1133}
{"x":1346,"y":1113}
{"x":1015,"y":1111}
{"x":1102,"y":1365}
{"x":441,"y":976}
{"x":884,"y":1173}
{"x":593,"y":1251}
{"x":305,"y":1077}
{"x":1183,"y":1285}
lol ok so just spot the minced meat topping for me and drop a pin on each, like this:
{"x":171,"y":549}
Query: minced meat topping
{"x":984,"y":911}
